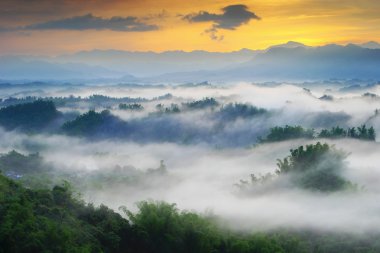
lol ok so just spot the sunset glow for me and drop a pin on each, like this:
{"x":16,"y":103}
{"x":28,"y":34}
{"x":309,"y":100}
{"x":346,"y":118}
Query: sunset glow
{"x":312,"y":22}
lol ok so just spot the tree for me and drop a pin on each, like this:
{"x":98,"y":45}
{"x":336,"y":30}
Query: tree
{"x":88,"y":123}
{"x":361,"y":132}
{"x":287,"y":133}
{"x":202,"y":104}
{"x":371,"y":134}
{"x":315,"y":167}
{"x":28,"y":116}
{"x":233,"y":111}
{"x":131,"y":107}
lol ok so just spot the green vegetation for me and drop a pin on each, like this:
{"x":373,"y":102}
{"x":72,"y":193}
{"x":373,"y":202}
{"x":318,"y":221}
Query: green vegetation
{"x":86,"y":124}
{"x":361,"y":132}
{"x":55,"y":221}
{"x":94,"y":100}
{"x":127,"y":177}
{"x":28,"y":169}
{"x":173,"y":108}
{"x":29,"y":116}
{"x":202,"y":104}
{"x":17,"y":163}
{"x":288,"y":133}
{"x":316,"y":167}
{"x":295,"y":132}
{"x":33,"y":172}
{"x":237,"y":110}
{"x":131,"y":107}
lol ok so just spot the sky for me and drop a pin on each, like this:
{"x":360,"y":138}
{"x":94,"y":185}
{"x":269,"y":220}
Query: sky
{"x":53,"y":27}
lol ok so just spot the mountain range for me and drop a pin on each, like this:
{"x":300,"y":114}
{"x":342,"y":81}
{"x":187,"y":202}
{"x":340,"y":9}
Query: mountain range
{"x":289,"y":61}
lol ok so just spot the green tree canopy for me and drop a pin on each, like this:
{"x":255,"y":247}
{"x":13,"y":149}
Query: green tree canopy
{"x":28,"y":116}
{"x":315,"y":167}
{"x":288,"y":132}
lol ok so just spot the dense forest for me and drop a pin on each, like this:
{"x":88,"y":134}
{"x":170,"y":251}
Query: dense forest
{"x":43,"y":220}
{"x":88,"y":123}
{"x":29,"y":116}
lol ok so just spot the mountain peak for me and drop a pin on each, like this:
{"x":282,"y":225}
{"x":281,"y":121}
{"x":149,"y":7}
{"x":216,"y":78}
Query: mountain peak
{"x":294,"y":43}
{"x":371,"y":45}
{"x":289,"y":44}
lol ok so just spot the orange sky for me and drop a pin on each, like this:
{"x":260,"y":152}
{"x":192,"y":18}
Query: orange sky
{"x":313,"y":22}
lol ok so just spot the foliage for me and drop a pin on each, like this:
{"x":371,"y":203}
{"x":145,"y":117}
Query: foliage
{"x":237,"y":110}
{"x":202,"y":104}
{"x":34,"y":172}
{"x":86,"y":124}
{"x":28,"y":169}
{"x":54,"y":221}
{"x":315,"y":167}
{"x":293,"y":132}
{"x":287,"y":133}
{"x":173,"y":108}
{"x":19,"y":164}
{"x":131,"y":107}
{"x":93,"y":100}
{"x":173,"y":231}
{"x":361,"y":132}
{"x":29,"y":116}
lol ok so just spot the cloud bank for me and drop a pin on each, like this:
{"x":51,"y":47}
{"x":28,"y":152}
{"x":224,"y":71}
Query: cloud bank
{"x":202,"y":179}
{"x":91,"y":22}
{"x":201,"y":176}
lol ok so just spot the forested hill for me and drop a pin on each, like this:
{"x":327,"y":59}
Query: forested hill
{"x":29,"y":116}
{"x":55,"y":221}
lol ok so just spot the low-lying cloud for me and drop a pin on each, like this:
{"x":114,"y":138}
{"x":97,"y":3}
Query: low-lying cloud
{"x":201,"y":178}
{"x":200,"y":175}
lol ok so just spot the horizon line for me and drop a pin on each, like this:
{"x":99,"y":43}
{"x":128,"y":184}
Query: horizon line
{"x":191,"y":51}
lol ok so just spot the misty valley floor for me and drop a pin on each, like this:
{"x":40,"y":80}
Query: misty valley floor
{"x":99,"y":166}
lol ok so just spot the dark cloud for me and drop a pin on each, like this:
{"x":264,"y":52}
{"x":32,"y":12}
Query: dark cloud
{"x":232,"y":17}
{"x":87,"y":22}
{"x":213,"y":34}
{"x":54,"y":7}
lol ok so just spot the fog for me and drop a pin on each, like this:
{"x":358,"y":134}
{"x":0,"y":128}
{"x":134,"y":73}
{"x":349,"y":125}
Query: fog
{"x":201,"y":175}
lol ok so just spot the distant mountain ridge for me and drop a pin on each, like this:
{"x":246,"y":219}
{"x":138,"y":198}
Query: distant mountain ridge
{"x":295,"y":63}
{"x":289,"y":44}
{"x":152,"y":63}
{"x":15,"y":67}
{"x":288,"y":61}
{"x":370,"y":45}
